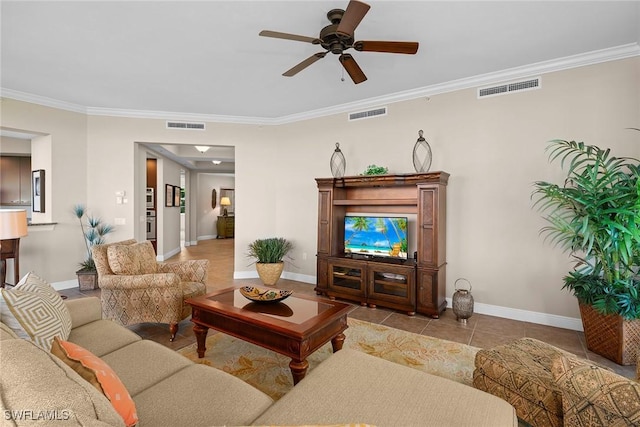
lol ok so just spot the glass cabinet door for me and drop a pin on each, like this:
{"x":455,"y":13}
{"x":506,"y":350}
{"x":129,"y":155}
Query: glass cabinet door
{"x":347,"y":279}
{"x":391,"y":283}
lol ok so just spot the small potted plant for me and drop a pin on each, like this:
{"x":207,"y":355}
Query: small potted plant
{"x":93,"y":232}
{"x":375,"y":170}
{"x":269,"y":255}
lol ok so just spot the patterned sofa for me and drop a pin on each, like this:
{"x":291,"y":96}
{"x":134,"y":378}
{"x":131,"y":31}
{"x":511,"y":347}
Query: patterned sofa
{"x":553,"y":388}
{"x":136,"y":288}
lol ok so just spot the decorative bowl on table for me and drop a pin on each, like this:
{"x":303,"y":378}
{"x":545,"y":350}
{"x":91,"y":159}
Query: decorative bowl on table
{"x":264,"y":294}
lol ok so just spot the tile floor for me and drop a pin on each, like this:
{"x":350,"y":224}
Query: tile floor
{"x":480,"y":330}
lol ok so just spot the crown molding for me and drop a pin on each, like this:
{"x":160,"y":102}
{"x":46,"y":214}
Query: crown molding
{"x":42,"y":100}
{"x":168,"y":115}
{"x":574,"y":61}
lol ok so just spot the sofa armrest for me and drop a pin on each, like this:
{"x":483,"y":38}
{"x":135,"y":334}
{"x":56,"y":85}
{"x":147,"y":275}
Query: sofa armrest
{"x":84,"y":310}
{"x":141,"y":281}
{"x":194,"y":270}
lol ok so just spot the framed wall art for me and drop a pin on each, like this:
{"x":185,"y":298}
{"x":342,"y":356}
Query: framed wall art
{"x":176,"y":196}
{"x":168,"y":195}
{"x":37,"y":190}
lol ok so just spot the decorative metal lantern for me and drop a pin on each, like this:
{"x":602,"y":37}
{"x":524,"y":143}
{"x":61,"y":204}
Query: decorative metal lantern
{"x":462,"y":302}
{"x":421,"y":154}
{"x":338,"y":162}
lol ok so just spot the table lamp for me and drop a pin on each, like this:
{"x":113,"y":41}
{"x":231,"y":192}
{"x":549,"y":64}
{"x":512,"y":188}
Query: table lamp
{"x":13,"y":226}
{"x":224,"y":202}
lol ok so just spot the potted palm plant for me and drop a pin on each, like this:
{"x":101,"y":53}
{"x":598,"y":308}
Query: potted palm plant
{"x":269,"y":257}
{"x":595,"y":216}
{"x":93,"y":232}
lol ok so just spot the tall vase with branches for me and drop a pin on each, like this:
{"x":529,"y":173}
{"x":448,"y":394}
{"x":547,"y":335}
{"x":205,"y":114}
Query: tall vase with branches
{"x":93,"y":232}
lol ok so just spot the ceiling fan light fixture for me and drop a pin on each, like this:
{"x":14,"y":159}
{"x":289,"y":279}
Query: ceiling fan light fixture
{"x":339,"y":37}
{"x":202,"y":148}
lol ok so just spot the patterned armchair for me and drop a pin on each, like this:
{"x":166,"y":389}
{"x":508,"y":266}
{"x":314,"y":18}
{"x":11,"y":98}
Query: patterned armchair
{"x":135,"y":288}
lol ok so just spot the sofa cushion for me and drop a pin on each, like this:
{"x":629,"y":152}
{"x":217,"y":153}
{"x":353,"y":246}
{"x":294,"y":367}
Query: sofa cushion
{"x":136,"y":259}
{"x":132,"y":364}
{"x":100,"y":375}
{"x":35,"y":311}
{"x":31,"y":377}
{"x":593,"y":396}
{"x":200,"y":396}
{"x":102,"y":337}
{"x":351,"y":386}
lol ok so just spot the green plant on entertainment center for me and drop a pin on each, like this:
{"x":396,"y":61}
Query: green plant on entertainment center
{"x":269,"y":255}
{"x":595,"y":216}
{"x":93,"y":232}
{"x":375,"y":170}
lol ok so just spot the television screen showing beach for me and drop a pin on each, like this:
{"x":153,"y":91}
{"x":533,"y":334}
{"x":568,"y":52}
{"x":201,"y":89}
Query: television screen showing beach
{"x":383,"y":236}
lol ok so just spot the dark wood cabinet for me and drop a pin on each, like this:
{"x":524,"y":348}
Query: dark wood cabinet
{"x":413,"y":285}
{"x":392,"y":286}
{"x":225,"y":227}
{"x":15,"y":179}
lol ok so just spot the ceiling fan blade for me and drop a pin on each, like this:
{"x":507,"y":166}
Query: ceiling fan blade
{"x":352,"y":67}
{"x":304,"y":64}
{"x":356,"y":10}
{"x":287,"y":36}
{"x":410,"y":48}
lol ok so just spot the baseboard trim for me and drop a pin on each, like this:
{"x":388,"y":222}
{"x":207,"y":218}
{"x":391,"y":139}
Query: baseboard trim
{"x":168,"y":254}
{"x":67,"y":284}
{"x":526,"y":316}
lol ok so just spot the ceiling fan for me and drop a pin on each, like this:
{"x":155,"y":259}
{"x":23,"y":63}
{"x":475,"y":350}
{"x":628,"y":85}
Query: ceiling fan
{"x":339,"y":37}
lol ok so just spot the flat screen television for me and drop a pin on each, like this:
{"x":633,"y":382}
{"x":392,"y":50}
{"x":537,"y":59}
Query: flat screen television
{"x":376,"y":236}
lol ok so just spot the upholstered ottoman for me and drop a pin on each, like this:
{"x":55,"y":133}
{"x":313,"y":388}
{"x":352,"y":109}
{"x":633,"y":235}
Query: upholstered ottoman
{"x":520,"y":373}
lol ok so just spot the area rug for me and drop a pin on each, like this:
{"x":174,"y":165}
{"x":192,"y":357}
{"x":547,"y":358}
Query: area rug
{"x":269,"y":371}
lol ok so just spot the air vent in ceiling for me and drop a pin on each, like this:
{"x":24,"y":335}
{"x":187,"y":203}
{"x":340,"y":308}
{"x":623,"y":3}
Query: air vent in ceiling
{"x":185,"y":125}
{"x":529,"y":84}
{"x":382,"y":111}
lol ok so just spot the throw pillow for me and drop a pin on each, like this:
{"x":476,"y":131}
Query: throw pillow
{"x":100,"y":375}
{"x":593,"y":396}
{"x":35,"y":311}
{"x":139,"y":258}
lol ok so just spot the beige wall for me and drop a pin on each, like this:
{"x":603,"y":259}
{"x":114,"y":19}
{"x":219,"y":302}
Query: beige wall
{"x":493,"y":148}
{"x":54,"y":253}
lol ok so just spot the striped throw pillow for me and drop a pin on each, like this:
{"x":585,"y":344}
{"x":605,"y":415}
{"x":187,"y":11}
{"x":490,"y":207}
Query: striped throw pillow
{"x":35,"y":311}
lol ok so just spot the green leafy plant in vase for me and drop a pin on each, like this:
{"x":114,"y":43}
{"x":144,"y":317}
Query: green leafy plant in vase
{"x":595,"y":217}
{"x":269,"y":255}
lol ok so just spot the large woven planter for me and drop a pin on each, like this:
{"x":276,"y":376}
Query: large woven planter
{"x":611,"y":336}
{"x":269,"y":273}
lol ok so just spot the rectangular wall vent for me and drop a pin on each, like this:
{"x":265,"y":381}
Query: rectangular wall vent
{"x":507,"y":88}
{"x":368,"y":114}
{"x":185,"y":125}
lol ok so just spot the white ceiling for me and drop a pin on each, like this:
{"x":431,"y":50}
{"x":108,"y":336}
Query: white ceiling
{"x":205,"y":58}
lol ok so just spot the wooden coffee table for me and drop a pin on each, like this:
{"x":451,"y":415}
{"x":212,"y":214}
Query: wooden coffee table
{"x":295,"y":327}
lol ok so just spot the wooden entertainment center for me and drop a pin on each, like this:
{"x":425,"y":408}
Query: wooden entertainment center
{"x":415,"y":285}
